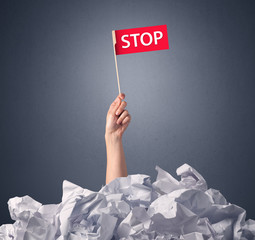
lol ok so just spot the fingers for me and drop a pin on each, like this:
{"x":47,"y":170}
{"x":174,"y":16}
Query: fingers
{"x":126,"y":120}
{"x":121,"y":108}
{"x":116,"y":103}
{"x":123,"y":116}
{"x":125,"y":123}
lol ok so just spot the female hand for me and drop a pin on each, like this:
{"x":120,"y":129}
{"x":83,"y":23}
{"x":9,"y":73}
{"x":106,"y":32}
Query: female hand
{"x":118,"y":118}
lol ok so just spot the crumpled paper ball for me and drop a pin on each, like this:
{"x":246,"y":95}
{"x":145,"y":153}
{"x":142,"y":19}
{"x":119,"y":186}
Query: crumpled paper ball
{"x":132,"y":208}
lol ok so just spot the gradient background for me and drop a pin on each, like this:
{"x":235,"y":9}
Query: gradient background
{"x":194,"y":103}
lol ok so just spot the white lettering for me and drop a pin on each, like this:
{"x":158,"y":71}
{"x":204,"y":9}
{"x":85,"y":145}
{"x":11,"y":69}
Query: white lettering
{"x":157,"y":38}
{"x":150,"y":41}
{"x":135,"y":39}
{"x":126,"y":41}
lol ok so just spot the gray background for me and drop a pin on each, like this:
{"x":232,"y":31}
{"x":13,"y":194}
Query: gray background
{"x":191,"y":104}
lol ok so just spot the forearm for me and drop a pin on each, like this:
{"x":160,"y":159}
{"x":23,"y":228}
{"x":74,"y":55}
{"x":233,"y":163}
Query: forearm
{"x":116,"y":163}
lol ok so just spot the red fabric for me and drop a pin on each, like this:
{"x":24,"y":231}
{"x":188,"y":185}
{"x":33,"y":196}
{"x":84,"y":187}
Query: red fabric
{"x":145,"y":39}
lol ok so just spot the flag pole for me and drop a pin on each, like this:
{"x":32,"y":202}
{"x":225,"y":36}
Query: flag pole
{"x":115,"y":58}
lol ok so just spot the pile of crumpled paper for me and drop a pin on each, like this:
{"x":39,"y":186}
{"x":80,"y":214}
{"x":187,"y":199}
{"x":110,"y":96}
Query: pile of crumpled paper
{"x":132,"y":208}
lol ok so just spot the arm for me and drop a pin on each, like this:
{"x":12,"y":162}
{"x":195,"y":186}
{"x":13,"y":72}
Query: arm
{"x":117,"y":120}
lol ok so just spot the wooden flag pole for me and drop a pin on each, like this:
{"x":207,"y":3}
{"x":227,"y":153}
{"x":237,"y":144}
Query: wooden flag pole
{"x":117,"y":72}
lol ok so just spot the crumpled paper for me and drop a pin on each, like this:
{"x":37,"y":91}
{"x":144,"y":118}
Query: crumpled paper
{"x":132,"y":208}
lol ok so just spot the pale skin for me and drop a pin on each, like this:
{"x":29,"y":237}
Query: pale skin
{"x":117,"y":121}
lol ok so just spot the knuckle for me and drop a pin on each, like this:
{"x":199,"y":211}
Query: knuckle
{"x":114,"y":103}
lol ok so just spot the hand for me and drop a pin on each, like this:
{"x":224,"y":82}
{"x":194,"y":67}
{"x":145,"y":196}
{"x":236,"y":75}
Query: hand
{"x":118,"y":118}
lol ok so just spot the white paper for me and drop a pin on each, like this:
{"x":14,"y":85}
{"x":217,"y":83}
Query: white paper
{"x":131,"y":208}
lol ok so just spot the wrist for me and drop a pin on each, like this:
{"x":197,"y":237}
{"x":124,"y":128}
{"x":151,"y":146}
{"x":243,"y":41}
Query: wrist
{"x":112,"y":138}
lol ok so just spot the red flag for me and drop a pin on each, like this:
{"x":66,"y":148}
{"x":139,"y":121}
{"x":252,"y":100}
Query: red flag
{"x":144,"y":39}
